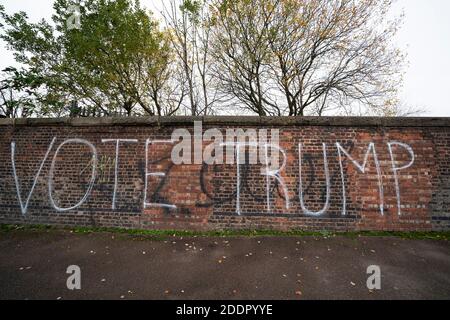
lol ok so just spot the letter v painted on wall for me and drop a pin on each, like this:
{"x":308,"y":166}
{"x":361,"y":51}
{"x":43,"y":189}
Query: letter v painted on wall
{"x":24,"y":206}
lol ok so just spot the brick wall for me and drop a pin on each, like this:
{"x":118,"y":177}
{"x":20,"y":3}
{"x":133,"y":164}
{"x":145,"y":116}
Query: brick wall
{"x":355,"y":174}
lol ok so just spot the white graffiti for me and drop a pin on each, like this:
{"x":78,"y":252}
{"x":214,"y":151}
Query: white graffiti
{"x":275,"y":173}
{"x":149,"y":142}
{"x":327,"y":183}
{"x":116,"y":165}
{"x":361,"y":168}
{"x":271,"y":170}
{"x":24,"y":207}
{"x":268,"y":171}
{"x":396,"y":169}
{"x":91,"y":182}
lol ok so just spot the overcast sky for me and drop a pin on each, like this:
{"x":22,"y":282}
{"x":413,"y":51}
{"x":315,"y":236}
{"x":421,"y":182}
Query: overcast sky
{"x":425,"y":37}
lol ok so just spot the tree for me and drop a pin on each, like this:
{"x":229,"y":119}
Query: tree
{"x":264,"y":57}
{"x":116,"y":61}
{"x":242,"y":53}
{"x":307,"y":57}
{"x":14,"y":102}
{"x":189,"y":24}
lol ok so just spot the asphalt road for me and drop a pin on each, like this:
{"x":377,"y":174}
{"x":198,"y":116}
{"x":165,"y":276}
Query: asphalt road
{"x":114,"y":266}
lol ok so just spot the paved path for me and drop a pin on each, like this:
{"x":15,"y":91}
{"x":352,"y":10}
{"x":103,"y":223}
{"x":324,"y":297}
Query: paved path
{"x":114,"y":266}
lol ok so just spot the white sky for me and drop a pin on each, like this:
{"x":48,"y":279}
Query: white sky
{"x":425,"y":37}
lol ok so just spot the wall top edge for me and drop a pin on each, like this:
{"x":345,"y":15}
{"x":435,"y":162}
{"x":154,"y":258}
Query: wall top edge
{"x":234,"y":121}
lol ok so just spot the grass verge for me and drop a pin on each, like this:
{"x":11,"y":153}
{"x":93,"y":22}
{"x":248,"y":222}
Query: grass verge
{"x":4,"y":228}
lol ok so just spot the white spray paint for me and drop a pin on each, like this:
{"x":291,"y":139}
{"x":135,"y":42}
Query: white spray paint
{"x":361,"y":168}
{"x":237,"y":147}
{"x":148,"y":142}
{"x":24,"y":207}
{"x":327,"y":181}
{"x":267,"y":171}
{"x":396,"y":169}
{"x":275,"y":174}
{"x":91,"y":182}
{"x":116,"y":167}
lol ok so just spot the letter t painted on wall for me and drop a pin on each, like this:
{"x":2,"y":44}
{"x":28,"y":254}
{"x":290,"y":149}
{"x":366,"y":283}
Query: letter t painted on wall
{"x":116,"y":164}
